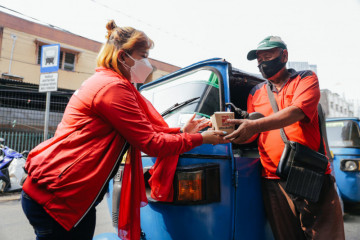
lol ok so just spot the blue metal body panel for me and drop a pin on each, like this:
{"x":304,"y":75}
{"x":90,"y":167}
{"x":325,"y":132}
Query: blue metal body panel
{"x":348,"y":182}
{"x":203,"y":221}
{"x":249,"y":206}
{"x":240,"y":212}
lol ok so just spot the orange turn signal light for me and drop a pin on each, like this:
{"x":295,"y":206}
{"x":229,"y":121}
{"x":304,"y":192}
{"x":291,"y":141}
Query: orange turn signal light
{"x":190,"y":185}
{"x":193,"y":184}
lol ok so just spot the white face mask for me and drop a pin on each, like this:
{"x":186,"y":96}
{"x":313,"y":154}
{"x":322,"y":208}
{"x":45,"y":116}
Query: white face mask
{"x":140,"y":70}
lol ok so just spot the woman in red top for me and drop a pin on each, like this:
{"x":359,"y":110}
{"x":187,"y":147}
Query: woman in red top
{"x":68,"y":174}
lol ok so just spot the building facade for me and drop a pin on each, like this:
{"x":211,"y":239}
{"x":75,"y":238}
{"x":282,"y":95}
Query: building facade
{"x":300,"y":66}
{"x":335,"y":106}
{"x":20,"y":53}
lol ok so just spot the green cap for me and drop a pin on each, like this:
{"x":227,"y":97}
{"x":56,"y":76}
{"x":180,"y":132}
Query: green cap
{"x":268,"y":43}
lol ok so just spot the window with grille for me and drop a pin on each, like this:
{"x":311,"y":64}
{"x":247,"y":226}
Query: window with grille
{"x":67,"y":59}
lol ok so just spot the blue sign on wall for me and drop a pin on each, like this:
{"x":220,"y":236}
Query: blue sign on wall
{"x":50,"y":57}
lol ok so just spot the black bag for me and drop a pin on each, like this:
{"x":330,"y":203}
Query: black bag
{"x":301,"y":167}
{"x":304,"y":171}
{"x":296,"y":153}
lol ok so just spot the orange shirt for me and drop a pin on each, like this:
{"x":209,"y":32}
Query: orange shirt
{"x":301,"y":90}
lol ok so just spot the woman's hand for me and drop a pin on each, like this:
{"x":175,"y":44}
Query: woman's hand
{"x":194,"y":126}
{"x":214,"y":137}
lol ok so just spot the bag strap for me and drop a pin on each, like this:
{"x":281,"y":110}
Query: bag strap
{"x":275,"y":108}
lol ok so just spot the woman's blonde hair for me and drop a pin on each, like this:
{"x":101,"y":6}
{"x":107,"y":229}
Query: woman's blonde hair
{"x":121,"y":38}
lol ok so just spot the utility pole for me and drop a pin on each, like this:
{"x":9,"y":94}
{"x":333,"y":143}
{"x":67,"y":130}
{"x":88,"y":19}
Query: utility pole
{"x":49,"y":67}
{"x":14,"y":37}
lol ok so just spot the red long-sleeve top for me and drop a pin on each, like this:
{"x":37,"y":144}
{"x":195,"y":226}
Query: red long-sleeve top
{"x":68,"y":171}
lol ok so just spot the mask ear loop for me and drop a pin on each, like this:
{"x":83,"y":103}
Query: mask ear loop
{"x":123,"y":61}
{"x":124,"y":64}
{"x":130,"y":56}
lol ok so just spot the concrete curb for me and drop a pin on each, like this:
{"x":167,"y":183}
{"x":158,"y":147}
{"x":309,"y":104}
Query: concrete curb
{"x":4,"y":197}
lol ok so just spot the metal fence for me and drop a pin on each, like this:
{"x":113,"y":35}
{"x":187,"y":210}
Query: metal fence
{"x":22,"y":113}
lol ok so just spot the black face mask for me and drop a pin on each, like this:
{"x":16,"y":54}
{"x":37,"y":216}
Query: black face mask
{"x":272,"y":67}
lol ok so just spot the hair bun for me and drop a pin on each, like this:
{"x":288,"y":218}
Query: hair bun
{"x":110,"y":27}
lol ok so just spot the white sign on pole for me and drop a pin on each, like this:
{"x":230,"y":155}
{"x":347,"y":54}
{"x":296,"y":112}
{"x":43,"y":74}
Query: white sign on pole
{"x":48,"y":82}
{"x":50,"y":56}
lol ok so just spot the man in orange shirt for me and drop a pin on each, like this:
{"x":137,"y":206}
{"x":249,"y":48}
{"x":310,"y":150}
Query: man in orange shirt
{"x":297,"y":95}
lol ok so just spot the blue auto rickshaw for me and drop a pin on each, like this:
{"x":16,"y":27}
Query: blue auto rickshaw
{"x":217,"y":191}
{"x":344,"y":141}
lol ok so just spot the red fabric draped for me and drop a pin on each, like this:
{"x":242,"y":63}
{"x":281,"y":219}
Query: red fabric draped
{"x":133,"y":194}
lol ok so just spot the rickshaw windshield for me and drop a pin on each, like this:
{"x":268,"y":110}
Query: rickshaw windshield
{"x":343,"y":133}
{"x":200,"y":87}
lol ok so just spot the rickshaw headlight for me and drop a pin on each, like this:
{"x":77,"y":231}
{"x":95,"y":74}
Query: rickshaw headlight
{"x":348,"y":165}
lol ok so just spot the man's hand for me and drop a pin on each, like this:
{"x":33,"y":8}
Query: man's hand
{"x":246,"y":130}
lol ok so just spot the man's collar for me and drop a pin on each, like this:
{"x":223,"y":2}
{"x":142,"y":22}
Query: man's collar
{"x":293,"y":74}
{"x":272,"y":86}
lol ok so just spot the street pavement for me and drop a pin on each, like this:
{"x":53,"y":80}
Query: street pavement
{"x":14,"y":225}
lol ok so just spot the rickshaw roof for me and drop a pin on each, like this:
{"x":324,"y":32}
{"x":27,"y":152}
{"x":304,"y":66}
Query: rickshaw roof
{"x":233,"y":71}
{"x":342,"y":118}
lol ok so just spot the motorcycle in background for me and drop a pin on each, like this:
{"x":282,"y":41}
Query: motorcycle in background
{"x":12,"y":172}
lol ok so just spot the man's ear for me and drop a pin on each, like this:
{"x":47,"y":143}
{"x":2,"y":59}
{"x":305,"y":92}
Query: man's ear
{"x":285,"y":56}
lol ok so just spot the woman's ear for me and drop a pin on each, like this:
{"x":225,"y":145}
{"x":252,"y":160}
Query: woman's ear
{"x":120,"y":56}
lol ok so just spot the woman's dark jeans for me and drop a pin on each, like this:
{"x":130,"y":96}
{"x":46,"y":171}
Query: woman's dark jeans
{"x":46,"y":228}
